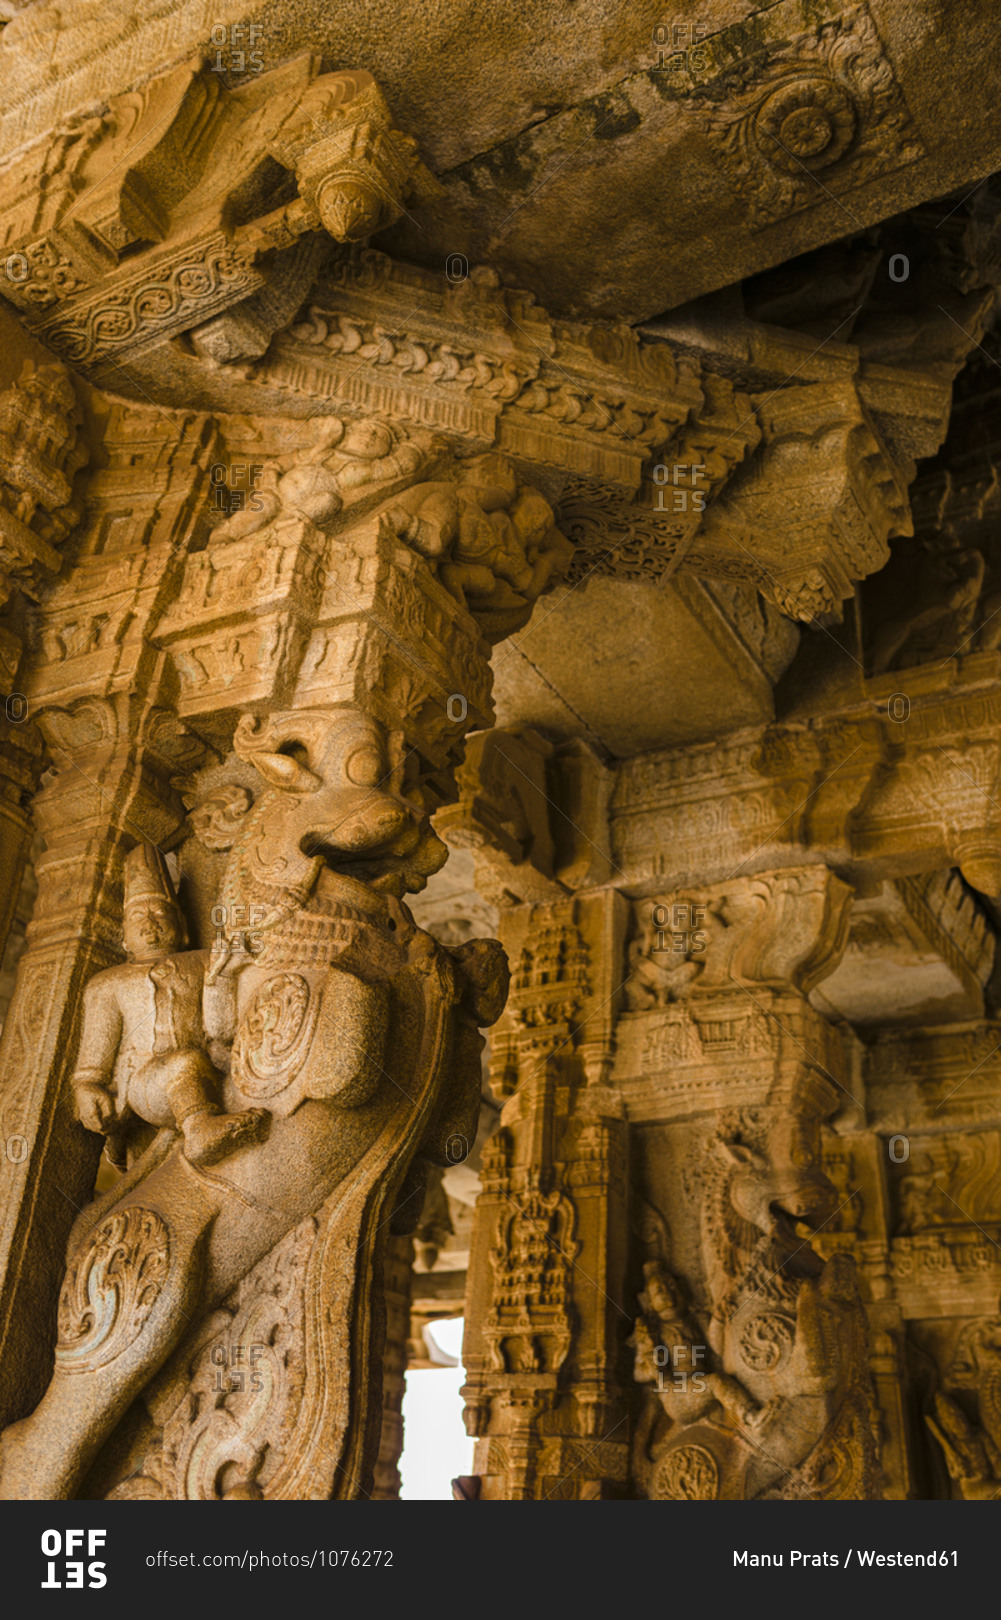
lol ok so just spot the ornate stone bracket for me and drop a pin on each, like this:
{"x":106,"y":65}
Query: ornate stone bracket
{"x":185,"y":200}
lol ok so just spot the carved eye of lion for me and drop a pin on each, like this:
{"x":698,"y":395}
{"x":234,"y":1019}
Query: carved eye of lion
{"x":364,"y":766}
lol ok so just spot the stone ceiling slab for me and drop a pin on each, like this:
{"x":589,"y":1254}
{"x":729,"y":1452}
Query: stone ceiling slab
{"x":679,"y":163}
{"x":630,"y":668}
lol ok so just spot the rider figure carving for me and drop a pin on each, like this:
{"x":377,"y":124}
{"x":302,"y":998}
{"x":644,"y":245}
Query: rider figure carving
{"x":147,"y":1025}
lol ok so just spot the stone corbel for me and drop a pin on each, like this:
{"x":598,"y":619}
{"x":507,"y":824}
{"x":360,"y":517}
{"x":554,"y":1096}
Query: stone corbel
{"x":534,"y":815}
{"x":813,"y":513}
{"x":356,"y":173}
{"x":185,"y":200}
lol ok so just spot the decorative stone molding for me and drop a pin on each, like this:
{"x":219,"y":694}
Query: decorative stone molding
{"x":867,"y":791}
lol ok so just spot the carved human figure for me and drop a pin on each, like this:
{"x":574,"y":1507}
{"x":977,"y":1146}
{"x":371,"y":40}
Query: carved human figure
{"x":670,"y":1352}
{"x":493,"y":540}
{"x":314,"y":483}
{"x":147,"y":1027}
{"x":664,"y":963}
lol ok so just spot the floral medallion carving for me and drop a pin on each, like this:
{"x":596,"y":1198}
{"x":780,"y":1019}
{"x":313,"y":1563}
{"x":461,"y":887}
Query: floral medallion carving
{"x":824,"y":114}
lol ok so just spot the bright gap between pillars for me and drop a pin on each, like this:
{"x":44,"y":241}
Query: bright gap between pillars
{"x":436,"y":1446}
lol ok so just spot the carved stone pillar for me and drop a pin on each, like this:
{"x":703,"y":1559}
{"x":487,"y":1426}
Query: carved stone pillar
{"x":97,"y":697}
{"x":545,"y":1318}
{"x":932,"y":1099}
{"x":283,"y":1051}
{"x":20,"y":759}
{"x":396,"y":1287}
{"x":42,"y":449}
{"x":750,"y":1349}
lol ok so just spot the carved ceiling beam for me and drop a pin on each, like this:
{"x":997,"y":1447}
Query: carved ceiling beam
{"x":637,"y":440}
{"x":167,"y":244}
{"x":872,"y":795}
